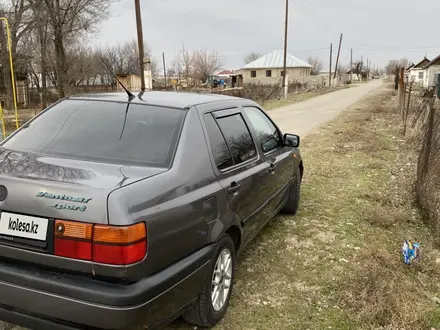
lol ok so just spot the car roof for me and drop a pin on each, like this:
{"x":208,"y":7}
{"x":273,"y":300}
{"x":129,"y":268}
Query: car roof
{"x":165,"y":99}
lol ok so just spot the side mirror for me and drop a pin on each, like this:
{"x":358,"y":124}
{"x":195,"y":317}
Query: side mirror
{"x":291,"y":140}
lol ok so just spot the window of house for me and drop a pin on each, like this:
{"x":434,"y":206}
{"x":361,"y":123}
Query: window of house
{"x":238,"y":138}
{"x":268,"y":73}
{"x":220,"y":150}
{"x":267,"y":134}
{"x":420,"y":75}
{"x":253,"y":74}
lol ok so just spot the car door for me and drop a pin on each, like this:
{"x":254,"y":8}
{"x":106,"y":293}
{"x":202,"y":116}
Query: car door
{"x":278,"y":157}
{"x":238,"y":166}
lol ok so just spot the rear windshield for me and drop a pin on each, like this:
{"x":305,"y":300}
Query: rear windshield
{"x":104,"y":132}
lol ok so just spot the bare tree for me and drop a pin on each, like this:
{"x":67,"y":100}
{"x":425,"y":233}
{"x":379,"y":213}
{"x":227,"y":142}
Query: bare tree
{"x":206,"y":63}
{"x":184,"y":64}
{"x":83,"y":65}
{"x":69,"y":18}
{"x":316,"y":63}
{"x":251,"y":57}
{"x":392,"y":64}
{"x":343,"y":68}
{"x":21,"y":22}
{"x":124,"y":59}
{"x":39,"y":44}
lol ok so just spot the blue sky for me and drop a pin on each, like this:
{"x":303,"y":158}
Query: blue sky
{"x":377,"y":29}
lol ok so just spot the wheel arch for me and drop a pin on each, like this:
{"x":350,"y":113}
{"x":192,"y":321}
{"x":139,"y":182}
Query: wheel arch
{"x":235,"y":233}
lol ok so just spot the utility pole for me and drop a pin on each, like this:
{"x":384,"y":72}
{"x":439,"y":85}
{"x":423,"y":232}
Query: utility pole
{"x":140,"y":36}
{"x":337,"y":59}
{"x":285,"y":50}
{"x":361,"y":67}
{"x":330,"y":67}
{"x":368,"y":69}
{"x":164,"y":70}
{"x":351,"y":65}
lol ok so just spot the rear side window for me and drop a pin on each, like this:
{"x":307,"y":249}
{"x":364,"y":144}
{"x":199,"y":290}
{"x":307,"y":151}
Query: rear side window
{"x":238,"y":138}
{"x":220,"y":150}
{"x":105,"y":132}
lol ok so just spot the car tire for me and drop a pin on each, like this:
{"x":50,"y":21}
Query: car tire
{"x":204,"y":312}
{"x":292,"y":203}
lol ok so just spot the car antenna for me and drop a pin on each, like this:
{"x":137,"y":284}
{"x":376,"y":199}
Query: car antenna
{"x":130,"y":95}
{"x":125,"y":120}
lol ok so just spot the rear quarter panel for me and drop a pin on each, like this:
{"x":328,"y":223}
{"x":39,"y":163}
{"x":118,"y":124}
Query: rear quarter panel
{"x":184,"y":208}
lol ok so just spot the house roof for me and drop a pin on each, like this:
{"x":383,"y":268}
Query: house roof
{"x":421,"y":64}
{"x":410,"y":67}
{"x":434,"y":61}
{"x":275,"y":60}
{"x":226,"y":72}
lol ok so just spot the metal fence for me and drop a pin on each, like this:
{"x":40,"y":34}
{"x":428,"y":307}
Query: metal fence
{"x":420,"y":111}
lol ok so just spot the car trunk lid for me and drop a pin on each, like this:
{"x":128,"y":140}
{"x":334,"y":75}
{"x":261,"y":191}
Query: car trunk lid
{"x":36,"y":190}
{"x":61,"y":188}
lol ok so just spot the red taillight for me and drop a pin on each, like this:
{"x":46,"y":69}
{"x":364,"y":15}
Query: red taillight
{"x":73,"y":249}
{"x":119,"y":245}
{"x":119,"y":254}
{"x":103,"y":244}
{"x":73,"y":240}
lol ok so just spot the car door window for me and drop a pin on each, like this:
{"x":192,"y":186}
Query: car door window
{"x":220,"y":150}
{"x":238,"y":138}
{"x":267,"y":134}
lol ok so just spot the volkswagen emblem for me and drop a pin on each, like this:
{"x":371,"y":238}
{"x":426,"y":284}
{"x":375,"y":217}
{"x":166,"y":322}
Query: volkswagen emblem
{"x":3,"y":193}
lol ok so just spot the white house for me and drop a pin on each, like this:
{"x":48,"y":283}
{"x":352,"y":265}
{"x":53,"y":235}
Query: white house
{"x":417,"y":72}
{"x":270,"y":68}
{"x":432,"y":71}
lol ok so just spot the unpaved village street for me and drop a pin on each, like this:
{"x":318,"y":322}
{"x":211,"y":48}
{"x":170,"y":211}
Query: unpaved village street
{"x":301,"y":118}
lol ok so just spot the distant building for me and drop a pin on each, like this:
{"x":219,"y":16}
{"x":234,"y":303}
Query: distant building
{"x":269,"y":67}
{"x":432,"y":71}
{"x":226,"y":73}
{"x":416,"y":72}
{"x":131,"y":81}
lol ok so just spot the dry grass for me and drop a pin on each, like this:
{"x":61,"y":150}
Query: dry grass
{"x":298,"y":97}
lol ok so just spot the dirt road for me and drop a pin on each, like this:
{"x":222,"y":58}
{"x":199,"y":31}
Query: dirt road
{"x":301,"y":118}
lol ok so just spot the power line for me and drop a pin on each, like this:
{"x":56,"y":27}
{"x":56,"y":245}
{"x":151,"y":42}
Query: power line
{"x":310,"y":50}
{"x":393,"y":46}
{"x":403,"y":48}
{"x":328,"y":27}
{"x":390,"y":50}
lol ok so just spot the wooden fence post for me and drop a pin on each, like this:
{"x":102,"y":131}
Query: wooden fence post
{"x":428,"y":138}
{"x":405,"y":119}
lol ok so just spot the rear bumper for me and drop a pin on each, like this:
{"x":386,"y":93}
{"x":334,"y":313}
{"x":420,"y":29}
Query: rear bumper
{"x":44,"y":300}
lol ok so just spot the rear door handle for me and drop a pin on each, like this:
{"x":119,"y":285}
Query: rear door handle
{"x":234,"y":188}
